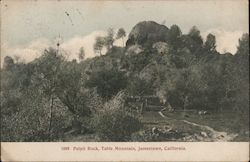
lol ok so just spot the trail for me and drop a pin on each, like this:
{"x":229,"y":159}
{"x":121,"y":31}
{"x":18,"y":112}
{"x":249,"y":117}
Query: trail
{"x":161,"y":114}
{"x":208,"y":133}
{"x":213,"y":134}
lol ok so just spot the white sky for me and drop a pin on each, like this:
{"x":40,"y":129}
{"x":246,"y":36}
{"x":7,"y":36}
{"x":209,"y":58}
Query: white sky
{"x":29,"y":26}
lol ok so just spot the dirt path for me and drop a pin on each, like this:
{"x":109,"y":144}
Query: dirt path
{"x":161,"y":114}
{"x":212,"y":134}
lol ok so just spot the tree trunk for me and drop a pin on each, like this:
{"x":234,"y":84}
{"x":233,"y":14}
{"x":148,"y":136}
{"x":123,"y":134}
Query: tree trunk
{"x":51,"y":115}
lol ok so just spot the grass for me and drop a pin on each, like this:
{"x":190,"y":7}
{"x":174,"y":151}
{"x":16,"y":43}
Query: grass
{"x":231,"y":123}
{"x":153,"y":119}
{"x":225,"y":122}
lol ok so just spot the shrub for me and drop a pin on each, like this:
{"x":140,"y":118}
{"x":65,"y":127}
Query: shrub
{"x":107,"y":82}
{"x":30,"y":122}
{"x":116,"y":125}
{"x":114,"y":122}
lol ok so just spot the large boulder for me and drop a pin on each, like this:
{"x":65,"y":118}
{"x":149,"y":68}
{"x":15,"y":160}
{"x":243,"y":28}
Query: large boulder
{"x":147,"y":33}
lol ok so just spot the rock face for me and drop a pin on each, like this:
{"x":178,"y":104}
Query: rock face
{"x":134,"y":50}
{"x":147,"y":33}
{"x":161,"y":47}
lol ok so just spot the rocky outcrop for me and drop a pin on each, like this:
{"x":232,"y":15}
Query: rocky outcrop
{"x":134,"y":50}
{"x":146,"y":33}
{"x":161,"y":47}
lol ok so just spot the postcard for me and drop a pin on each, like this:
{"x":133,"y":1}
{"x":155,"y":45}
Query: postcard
{"x":127,"y":80}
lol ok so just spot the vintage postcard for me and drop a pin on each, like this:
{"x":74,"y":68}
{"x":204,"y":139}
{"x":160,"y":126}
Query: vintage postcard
{"x":127,"y":80}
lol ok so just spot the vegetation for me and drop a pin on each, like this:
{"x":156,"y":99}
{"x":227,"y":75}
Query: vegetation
{"x":81,"y":54}
{"x":114,"y":122}
{"x":121,"y":34}
{"x":41,"y":100}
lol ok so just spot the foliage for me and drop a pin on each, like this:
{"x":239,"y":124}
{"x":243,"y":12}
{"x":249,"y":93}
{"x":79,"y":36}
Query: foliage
{"x":16,"y":126}
{"x":107,"y":82}
{"x":193,"y":41}
{"x":240,"y":76}
{"x":41,"y":98}
{"x":138,"y":86}
{"x":121,"y":34}
{"x":30,"y":121}
{"x":81,"y":54}
{"x":174,"y":36}
{"x":8,"y":62}
{"x":210,"y":44}
{"x":99,"y":43}
{"x":71,"y":91}
{"x":109,"y":39}
{"x":114,"y":123}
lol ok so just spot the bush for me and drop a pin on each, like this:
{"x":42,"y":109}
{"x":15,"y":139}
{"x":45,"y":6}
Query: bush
{"x":30,"y":122}
{"x":116,"y":125}
{"x":107,"y":82}
{"x":29,"y":119}
{"x":114,"y":122}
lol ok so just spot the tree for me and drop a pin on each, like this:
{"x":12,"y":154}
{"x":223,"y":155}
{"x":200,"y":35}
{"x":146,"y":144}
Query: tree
{"x":194,"y":40}
{"x":109,"y":39}
{"x":70,"y":90}
{"x":81,"y":54}
{"x":8,"y":62}
{"x":99,"y":43}
{"x":194,"y":32}
{"x":174,"y":35}
{"x":243,"y":47}
{"x":241,"y":75}
{"x":107,"y":82}
{"x":114,"y":122}
{"x":121,"y":34}
{"x":137,"y":86}
{"x":47,"y":69}
{"x":210,"y":44}
{"x":242,"y":56}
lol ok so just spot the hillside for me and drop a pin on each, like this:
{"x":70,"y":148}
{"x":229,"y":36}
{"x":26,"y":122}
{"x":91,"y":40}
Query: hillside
{"x":107,"y":97}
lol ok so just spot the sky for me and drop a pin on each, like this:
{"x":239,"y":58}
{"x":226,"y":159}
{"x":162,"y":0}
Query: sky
{"x":30,"y":26}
